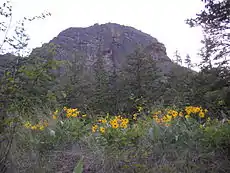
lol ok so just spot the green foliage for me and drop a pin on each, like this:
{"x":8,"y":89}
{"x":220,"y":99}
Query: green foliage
{"x":188,"y":61}
{"x":209,"y":89}
{"x":101,"y":86}
{"x":179,"y":87}
{"x":211,"y":86}
{"x":33,"y":86}
{"x":139,"y":77}
{"x":79,"y":167}
{"x":71,"y":129}
{"x":75,"y":82}
{"x":214,"y":20}
{"x":178,"y":59}
{"x":30,"y":85}
{"x":16,"y":99}
{"x":187,"y":145}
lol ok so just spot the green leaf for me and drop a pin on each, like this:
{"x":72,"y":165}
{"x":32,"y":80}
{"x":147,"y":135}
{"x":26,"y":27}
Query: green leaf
{"x":79,"y":167}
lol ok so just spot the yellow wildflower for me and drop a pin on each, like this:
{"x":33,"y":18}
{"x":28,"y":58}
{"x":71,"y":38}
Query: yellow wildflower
{"x":201,"y":114}
{"x":134,"y":116}
{"x":197,"y":109}
{"x":94,"y":128}
{"x":74,"y":110}
{"x":187,"y":116}
{"x":27,"y":125}
{"x":102,"y":129}
{"x":41,"y":127}
{"x":115,"y":125}
{"x":124,"y":125}
{"x":167,"y":118}
{"x":126,"y":121}
{"x":139,"y":108}
{"x":113,"y":122}
{"x":155,"y":116}
{"x":104,"y":121}
{"x":54,"y":117}
{"x":174,"y":114}
{"x":158,"y":112}
{"x":74,"y":115}
{"x":56,"y":112}
{"x":34,"y":127}
{"x":158,"y":120}
{"x":84,"y":115}
{"x":180,"y":114}
{"x":45,"y":123}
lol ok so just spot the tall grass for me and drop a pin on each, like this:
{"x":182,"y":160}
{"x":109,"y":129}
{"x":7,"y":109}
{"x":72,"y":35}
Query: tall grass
{"x":162,"y":141}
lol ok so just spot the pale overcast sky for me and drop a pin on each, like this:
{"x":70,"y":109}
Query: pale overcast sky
{"x":163,"y":19}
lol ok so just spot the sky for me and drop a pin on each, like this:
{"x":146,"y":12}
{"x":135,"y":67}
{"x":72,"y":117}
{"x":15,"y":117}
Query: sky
{"x":162,"y":19}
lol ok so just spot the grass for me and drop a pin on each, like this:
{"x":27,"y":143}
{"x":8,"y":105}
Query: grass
{"x":161,"y":141}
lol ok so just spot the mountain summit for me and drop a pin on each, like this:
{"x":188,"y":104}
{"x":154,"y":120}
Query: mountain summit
{"x":109,"y":40}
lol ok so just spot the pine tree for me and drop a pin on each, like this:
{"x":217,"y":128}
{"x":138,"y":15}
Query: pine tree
{"x":76,"y":82}
{"x":188,"y":61}
{"x":139,"y":76}
{"x":214,"y":19}
{"x":113,"y":100}
{"x":100,"y":87}
{"x":206,"y":54}
{"x":178,"y":59}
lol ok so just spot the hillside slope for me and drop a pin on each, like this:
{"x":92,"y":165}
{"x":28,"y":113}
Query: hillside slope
{"x":112,"y":41}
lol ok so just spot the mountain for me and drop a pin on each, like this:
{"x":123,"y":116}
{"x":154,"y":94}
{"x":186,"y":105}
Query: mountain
{"x":6,"y":61}
{"x":105,"y":68}
{"x":112,"y":41}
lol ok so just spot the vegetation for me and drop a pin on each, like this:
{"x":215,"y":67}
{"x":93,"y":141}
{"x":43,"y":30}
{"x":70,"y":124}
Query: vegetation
{"x":214,"y":20}
{"x":62,"y":116}
{"x":163,"y":140}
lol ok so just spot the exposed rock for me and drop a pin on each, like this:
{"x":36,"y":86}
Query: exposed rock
{"x":6,"y":61}
{"x":112,"y":41}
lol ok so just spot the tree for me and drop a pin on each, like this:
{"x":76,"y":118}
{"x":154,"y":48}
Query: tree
{"x":188,"y":61}
{"x":139,"y":76}
{"x":210,"y":89}
{"x":215,"y":22}
{"x":206,"y":54}
{"x":100,"y":96}
{"x":179,"y":87}
{"x":114,"y":90}
{"x":178,"y":59}
{"x":76,"y":82}
{"x":212,"y":82}
{"x":18,"y":78}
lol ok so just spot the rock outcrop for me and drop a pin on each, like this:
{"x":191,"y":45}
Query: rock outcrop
{"x":109,"y":40}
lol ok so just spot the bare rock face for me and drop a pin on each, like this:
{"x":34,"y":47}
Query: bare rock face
{"x":6,"y":61}
{"x":111,"y":41}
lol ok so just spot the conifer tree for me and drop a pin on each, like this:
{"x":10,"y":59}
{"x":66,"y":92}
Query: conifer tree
{"x":188,"y":61}
{"x":100,"y":94}
{"x":178,"y":58}
{"x":214,"y":19}
{"x":140,"y":76}
{"x":76,"y":82}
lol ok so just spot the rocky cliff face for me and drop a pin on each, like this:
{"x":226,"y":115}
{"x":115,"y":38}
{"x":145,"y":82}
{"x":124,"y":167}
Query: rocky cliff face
{"x":112,"y":41}
{"x":6,"y":61}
